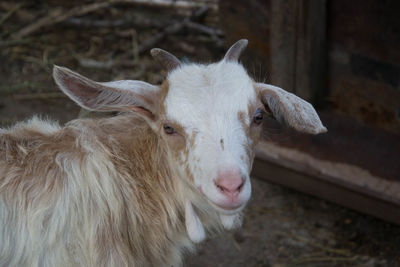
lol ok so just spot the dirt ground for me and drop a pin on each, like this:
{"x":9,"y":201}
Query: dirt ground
{"x":286,"y":228}
{"x":281,"y":227}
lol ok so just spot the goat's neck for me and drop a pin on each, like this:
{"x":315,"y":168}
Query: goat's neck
{"x":143,"y":156}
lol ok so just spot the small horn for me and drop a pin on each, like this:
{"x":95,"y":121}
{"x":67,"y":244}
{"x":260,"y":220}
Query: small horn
{"x":169,"y":61}
{"x":235,"y":50}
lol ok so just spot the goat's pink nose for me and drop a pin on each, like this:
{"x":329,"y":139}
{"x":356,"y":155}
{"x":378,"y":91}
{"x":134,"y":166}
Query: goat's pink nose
{"x":229,"y":182}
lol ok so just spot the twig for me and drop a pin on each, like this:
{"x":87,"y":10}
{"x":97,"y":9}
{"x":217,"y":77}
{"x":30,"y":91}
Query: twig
{"x":204,"y":29}
{"x":151,"y":42}
{"x":343,"y":252}
{"x":135,"y":46}
{"x":9,"y":13}
{"x":236,"y":244}
{"x":95,"y":64}
{"x":91,"y":63}
{"x":22,"y":15}
{"x":171,"y":29}
{"x":109,"y":64}
{"x":213,"y":32}
{"x":16,"y":87}
{"x":322,"y":259}
{"x":85,"y":22}
{"x":164,"y":3}
{"x":8,"y":43}
{"x":57,"y":16}
{"x":41,"y":62}
{"x":137,"y":21}
{"x":40,"y":96}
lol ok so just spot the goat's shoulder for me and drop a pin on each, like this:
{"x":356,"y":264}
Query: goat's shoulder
{"x":23,"y":137}
{"x":31,"y":128}
{"x":38,"y":136}
{"x":41,"y":140}
{"x":45,"y":150}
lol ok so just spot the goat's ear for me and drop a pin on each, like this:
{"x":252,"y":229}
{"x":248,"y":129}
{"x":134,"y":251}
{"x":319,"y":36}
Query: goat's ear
{"x":290,"y":109}
{"x":194,"y":226}
{"x":108,"y":96}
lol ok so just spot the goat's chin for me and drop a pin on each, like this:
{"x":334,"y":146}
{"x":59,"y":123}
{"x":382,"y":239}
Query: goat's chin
{"x":219,"y":209}
{"x":230,"y":222}
{"x":226,"y":212}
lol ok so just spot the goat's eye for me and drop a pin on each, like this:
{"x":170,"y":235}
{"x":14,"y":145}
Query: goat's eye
{"x":258,"y":116}
{"x":168,"y":129}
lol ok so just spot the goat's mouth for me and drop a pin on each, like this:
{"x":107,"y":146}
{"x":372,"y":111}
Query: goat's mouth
{"x":227,"y":209}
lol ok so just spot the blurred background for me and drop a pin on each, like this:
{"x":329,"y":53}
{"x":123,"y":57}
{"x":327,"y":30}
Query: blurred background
{"x":326,"y":200}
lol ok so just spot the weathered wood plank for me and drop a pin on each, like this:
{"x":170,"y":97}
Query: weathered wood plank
{"x":311,"y":184}
{"x":298,"y":47}
{"x":283,"y":43}
{"x":311,"y":51}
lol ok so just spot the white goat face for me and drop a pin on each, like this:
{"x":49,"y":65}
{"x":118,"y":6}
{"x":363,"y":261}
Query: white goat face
{"x":215,"y":110}
{"x":209,"y":115}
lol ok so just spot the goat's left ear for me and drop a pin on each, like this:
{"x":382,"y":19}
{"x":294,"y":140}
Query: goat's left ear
{"x":122,"y":95}
{"x":290,"y":109}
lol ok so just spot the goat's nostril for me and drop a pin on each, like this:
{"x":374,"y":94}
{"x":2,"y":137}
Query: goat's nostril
{"x":220,"y":187}
{"x":240,"y":186}
{"x":229,"y":186}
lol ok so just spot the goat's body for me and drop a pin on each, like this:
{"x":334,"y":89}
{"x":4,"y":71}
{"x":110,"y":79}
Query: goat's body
{"x":93,"y":193}
{"x":137,"y":190}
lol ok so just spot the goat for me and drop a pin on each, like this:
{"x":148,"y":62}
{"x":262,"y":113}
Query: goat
{"x":142,"y":187}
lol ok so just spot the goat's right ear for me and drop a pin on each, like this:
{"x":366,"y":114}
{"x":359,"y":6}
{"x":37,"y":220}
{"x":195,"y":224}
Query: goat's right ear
{"x":108,"y":96}
{"x":290,"y":109}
